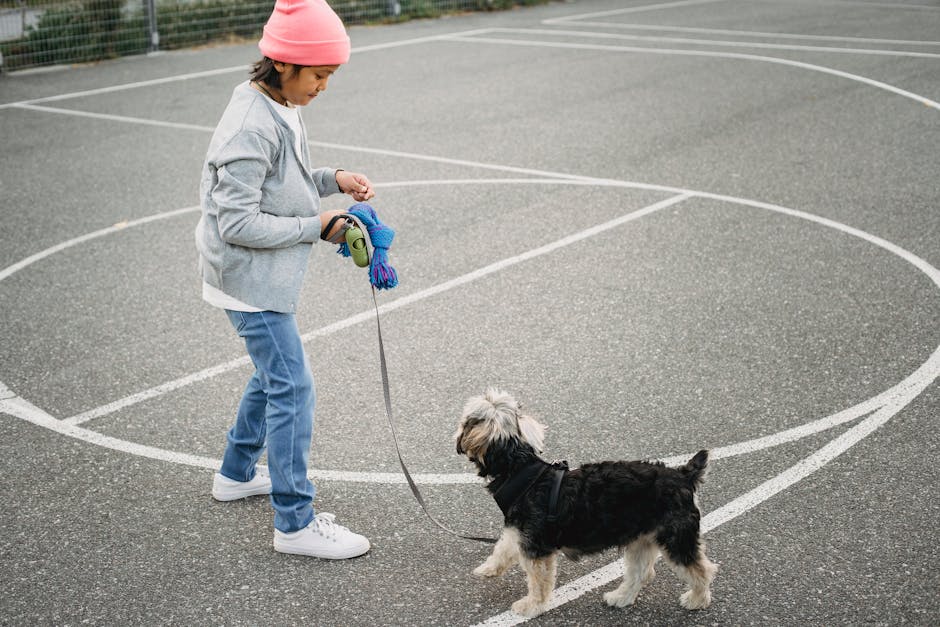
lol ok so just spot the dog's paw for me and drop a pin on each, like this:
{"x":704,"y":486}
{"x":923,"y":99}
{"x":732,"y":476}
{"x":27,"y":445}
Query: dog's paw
{"x":615,"y":598}
{"x":487,"y":570}
{"x":528,"y":607}
{"x":692,"y":600}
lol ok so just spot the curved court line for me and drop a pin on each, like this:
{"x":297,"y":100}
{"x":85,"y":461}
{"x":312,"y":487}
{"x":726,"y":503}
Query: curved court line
{"x":110,"y":117}
{"x":690,"y":53}
{"x":737,"y":506}
{"x":577,"y":17}
{"x":891,"y":402}
{"x":23,"y":409}
{"x":745,"y":33}
{"x":471,"y":276}
{"x":757,"y":44}
{"x":638,"y":9}
{"x":120,"y":226}
{"x":918,"y":380}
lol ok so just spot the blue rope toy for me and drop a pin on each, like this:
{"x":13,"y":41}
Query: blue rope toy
{"x":381,"y":274}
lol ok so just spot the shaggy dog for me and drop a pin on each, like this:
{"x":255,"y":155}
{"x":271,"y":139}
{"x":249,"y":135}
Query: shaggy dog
{"x":643,"y":508}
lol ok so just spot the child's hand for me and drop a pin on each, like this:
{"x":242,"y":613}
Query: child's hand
{"x":356,"y":185}
{"x":335,"y":235}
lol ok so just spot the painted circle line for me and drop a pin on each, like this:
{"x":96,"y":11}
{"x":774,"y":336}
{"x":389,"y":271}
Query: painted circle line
{"x":880,"y":408}
{"x":906,"y":390}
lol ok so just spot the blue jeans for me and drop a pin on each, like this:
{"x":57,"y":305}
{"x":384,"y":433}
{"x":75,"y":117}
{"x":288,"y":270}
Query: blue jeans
{"x":277,"y":406}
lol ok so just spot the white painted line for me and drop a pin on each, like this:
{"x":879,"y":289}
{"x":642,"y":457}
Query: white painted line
{"x":886,"y":405}
{"x":23,"y":263}
{"x":578,"y":17}
{"x":737,"y":449}
{"x":367,"y":315}
{"x":883,"y":5}
{"x":897,"y":397}
{"x":527,"y":171}
{"x":461,"y":162}
{"x":216,"y":72}
{"x":724,"y":43}
{"x":363,"y":149}
{"x":125,"y":86}
{"x":28,"y":261}
{"x":110,"y":117}
{"x":159,"y":390}
{"x":751,"y":33}
{"x":23,"y":409}
{"x":639,"y":9}
{"x":701,"y":53}
{"x":809,"y":465}
{"x":916,"y":381}
{"x":5,"y":392}
{"x":411,"y":42}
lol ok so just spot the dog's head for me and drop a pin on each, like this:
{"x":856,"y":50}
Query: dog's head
{"x":492,"y":420}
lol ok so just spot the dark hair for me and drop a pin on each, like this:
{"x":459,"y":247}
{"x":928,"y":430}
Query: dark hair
{"x":264,"y":71}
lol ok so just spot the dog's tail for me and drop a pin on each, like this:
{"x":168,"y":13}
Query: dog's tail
{"x":695,"y":469}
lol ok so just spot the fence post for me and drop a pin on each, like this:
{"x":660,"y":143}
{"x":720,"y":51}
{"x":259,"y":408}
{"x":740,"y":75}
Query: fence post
{"x":153,"y":27}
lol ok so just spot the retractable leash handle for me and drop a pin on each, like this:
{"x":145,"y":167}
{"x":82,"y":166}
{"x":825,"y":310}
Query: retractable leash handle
{"x":356,"y":243}
{"x":352,"y":234}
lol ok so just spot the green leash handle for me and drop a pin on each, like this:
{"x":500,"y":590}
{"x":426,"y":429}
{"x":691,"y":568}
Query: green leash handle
{"x":356,"y":243}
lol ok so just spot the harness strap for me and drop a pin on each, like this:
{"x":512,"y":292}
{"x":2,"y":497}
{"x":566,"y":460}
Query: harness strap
{"x":515,"y":487}
{"x":560,"y":469}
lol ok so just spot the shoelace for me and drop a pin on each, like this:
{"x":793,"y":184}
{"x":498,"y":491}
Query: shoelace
{"x":328,"y":527}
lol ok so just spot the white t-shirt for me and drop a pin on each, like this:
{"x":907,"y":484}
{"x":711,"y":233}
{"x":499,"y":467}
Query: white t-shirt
{"x":218,"y":298}
{"x":291,"y":115}
{"x":215,"y":296}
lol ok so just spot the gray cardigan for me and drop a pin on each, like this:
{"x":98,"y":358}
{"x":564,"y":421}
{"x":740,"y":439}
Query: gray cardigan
{"x":259,"y":205}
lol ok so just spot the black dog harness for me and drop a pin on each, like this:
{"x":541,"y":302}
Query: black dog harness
{"x":520,"y":483}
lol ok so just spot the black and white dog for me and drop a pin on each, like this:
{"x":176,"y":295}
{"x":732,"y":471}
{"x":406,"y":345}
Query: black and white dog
{"x":643,"y":508}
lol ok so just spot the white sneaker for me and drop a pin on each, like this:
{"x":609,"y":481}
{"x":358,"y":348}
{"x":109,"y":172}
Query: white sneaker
{"x":322,"y":538}
{"x":225,"y":489}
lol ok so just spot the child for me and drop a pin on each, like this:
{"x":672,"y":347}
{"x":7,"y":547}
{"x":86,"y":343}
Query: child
{"x":260,"y":217}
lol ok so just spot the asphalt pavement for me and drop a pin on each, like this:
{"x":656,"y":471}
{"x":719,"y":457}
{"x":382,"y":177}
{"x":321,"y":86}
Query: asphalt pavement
{"x":663,"y":226}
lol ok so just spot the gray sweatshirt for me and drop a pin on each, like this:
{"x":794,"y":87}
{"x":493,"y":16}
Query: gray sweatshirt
{"x":260,"y":205}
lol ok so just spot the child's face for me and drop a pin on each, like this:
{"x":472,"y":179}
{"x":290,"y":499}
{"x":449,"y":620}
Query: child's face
{"x":301,"y":86}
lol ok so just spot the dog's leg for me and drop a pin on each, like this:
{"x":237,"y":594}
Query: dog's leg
{"x":540,"y":577}
{"x":683,"y":550}
{"x":639,"y":558}
{"x":505,"y":554}
{"x":699,"y":576}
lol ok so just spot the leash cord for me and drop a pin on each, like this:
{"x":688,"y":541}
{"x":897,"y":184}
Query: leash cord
{"x":388,"y":414}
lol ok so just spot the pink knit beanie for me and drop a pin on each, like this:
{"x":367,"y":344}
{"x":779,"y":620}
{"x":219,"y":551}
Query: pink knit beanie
{"x":305,"y":32}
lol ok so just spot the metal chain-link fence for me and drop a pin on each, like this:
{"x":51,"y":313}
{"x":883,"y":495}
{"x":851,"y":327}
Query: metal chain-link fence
{"x":46,"y":32}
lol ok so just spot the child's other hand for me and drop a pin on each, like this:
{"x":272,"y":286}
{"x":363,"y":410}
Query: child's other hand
{"x":335,"y":236}
{"x":356,"y":185}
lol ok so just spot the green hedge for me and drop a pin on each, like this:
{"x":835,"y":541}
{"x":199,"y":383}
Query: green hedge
{"x":101,"y":29}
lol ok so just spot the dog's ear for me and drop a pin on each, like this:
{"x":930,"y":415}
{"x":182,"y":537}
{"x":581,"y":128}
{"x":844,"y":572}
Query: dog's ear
{"x":532,"y":431}
{"x":473,"y":440}
{"x":463,"y":429}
